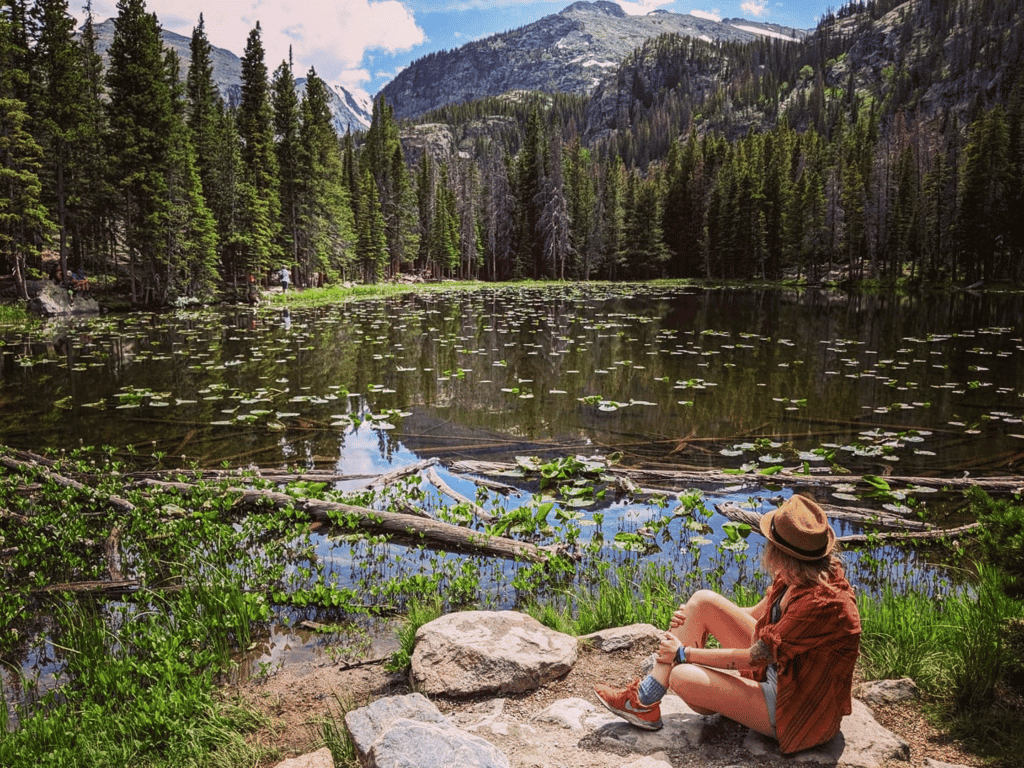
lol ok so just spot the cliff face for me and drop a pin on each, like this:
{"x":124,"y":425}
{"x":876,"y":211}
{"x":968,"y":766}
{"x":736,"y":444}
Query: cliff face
{"x":349,"y":112}
{"x":573,"y":51}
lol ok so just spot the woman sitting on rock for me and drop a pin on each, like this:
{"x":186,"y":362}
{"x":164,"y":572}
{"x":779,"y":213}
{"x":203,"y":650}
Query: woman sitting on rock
{"x":795,"y":650}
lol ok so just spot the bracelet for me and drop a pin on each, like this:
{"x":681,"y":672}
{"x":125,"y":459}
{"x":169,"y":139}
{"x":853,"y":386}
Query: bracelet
{"x":681,"y":654}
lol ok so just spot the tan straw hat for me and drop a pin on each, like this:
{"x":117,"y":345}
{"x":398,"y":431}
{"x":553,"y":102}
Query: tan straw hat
{"x":799,"y":528}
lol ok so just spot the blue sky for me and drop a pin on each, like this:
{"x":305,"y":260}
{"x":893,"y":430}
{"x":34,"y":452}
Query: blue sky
{"x":362,"y":44}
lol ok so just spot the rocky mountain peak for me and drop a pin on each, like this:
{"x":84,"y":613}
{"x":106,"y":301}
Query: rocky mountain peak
{"x":350,"y":113}
{"x":573,"y":51}
{"x":601,"y":6}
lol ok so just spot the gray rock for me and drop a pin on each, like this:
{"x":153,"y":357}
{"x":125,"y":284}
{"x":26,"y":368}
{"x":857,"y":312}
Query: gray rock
{"x":875,"y":692}
{"x":620,"y":638}
{"x":416,"y":744}
{"x":322,"y":758}
{"x":474,"y":652}
{"x":367,"y":723}
{"x":861,"y":743}
{"x":48,"y":299}
{"x":660,"y":760}
{"x":576,"y":715}
{"x":682,"y":727}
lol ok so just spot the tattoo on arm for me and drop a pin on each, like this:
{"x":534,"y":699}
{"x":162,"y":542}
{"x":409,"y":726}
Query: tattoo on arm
{"x":760,"y":654}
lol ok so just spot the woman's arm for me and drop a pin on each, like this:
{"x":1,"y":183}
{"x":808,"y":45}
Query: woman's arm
{"x":757,"y":656}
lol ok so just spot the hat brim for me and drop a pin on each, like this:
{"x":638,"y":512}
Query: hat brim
{"x":766,"y":530}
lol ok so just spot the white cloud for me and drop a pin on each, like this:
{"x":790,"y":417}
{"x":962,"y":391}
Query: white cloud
{"x":755,"y":8}
{"x":641,"y":8}
{"x":331,"y":36}
{"x":709,"y":15}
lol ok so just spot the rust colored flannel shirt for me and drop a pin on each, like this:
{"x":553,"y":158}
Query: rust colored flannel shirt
{"x":815,"y":644}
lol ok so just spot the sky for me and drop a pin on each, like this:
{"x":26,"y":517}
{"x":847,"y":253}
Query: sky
{"x":362,"y":44}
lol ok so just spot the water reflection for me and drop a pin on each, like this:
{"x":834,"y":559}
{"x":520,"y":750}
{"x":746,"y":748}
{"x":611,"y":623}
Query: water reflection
{"x":909,"y":384}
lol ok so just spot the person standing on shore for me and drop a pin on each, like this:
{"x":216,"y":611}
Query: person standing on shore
{"x":286,"y":277}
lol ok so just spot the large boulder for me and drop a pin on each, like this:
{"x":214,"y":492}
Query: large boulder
{"x":403,"y":731}
{"x":631,"y":637}
{"x":49,"y":299}
{"x":475,"y":652}
{"x":861,"y":743}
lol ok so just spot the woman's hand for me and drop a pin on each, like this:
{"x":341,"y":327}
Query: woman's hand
{"x":668,"y":648}
{"x":678,"y":617}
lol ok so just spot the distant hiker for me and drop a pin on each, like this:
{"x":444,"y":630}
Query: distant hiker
{"x":286,"y":277}
{"x":795,"y":650}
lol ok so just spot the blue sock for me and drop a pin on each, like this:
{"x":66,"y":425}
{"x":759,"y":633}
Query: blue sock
{"x":650,"y":691}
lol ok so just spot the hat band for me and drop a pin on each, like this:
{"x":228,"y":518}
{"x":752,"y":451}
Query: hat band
{"x":819,"y":552}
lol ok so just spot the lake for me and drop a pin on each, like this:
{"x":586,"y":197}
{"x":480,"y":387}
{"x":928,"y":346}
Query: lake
{"x":680,"y":376}
{"x":660,"y":376}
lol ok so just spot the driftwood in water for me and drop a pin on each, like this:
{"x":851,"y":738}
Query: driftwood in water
{"x":787,"y":477}
{"x":435,"y":531}
{"x":121,"y":505}
{"x":119,"y":587}
{"x":398,"y":474}
{"x":740,"y":514}
{"x":479,"y":512}
{"x":933,"y":534}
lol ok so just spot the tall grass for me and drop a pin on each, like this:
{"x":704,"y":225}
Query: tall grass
{"x":956,"y":650}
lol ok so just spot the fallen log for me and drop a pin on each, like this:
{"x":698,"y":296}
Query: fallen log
{"x":398,"y":474}
{"x":121,"y":586}
{"x":934,"y":534}
{"x":435,"y":531}
{"x":438,"y":482}
{"x":121,"y":505}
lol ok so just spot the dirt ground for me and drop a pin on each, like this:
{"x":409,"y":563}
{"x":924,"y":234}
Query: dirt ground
{"x":297,"y":699}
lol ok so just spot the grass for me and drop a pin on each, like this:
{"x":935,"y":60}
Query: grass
{"x":139,"y":676}
{"x":956,"y":651}
{"x":339,"y":294}
{"x":14,"y":314}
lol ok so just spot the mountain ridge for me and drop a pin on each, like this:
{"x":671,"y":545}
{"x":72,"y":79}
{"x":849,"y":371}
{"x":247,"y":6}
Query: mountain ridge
{"x":572,"y":51}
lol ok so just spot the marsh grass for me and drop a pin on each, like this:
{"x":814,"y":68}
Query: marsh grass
{"x":14,"y":314}
{"x":336,"y":737}
{"x":956,"y":650}
{"x":420,"y":612}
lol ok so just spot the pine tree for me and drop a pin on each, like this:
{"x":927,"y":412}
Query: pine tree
{"x":96,"y":200}
{"x":286,"y":132}
{"x":554,"y":226}
{"x":371,"y":239}
{"x":202,"y":97}
{"x":325,"y":218}
{"x":224,"y":193}
{"x":190,"y":257}
{"x":259,"y":190}
{"x":382,"y":156}
{"x":62,"y":110}
{"x":141,"y":126}
{"x":24,"y":222}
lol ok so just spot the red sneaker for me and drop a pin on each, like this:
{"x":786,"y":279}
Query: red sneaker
{"x":625,"y":703}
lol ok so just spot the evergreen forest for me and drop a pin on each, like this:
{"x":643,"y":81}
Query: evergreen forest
{"x":888,"y":145}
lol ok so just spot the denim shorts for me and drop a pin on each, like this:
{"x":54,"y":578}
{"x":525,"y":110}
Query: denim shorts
{"x":770,"y":688}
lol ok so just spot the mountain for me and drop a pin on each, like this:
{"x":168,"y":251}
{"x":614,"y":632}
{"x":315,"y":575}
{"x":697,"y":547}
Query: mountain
{"x":350,"y":112}
{"x":573,"y":51}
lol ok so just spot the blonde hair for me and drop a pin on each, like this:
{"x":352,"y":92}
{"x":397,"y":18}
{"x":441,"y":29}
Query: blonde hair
{"x":778,"y":563}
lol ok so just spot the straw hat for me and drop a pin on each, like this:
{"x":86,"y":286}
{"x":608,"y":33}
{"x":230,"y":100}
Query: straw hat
{"x":799,"y":528}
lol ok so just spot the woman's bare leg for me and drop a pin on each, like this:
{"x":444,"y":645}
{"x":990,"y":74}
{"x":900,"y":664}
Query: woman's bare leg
{"x":709,"y":690}
{"x":708,"y":613}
